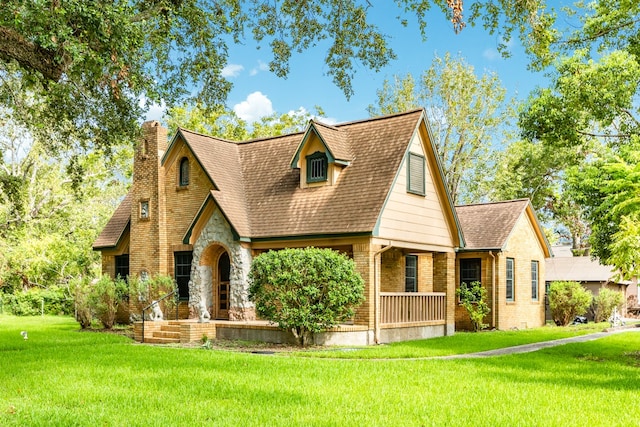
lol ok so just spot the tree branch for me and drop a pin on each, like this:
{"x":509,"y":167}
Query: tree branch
{"x":13,"y":46}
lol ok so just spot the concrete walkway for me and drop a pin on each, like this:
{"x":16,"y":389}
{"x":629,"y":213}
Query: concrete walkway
{"x":527,"y":348}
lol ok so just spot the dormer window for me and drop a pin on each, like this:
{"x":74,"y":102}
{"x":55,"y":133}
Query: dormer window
{"x":184,"y":172}
{"x":317,"y":167}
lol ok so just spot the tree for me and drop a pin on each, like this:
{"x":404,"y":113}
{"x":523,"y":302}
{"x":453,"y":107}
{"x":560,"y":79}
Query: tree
{"x":605,"y":302}
{"x":224,"y":123}
{"x":465,"y":112}
{"x":87,"y":66}
{"x":568,"y":300}
{"x":305,"y":290}
{"x":473,"y":298}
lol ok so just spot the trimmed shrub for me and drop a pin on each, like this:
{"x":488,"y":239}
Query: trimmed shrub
{"x":568,"y":300}
{"x":605,"y":302}
{"x":105,"y":297}
{"x":305,"y":290}
{"x":154,"y":288}
{"x":81,"y":293}
{"x":473,"y":298}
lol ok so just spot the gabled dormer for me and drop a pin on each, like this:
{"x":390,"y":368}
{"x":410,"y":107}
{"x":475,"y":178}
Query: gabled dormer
{"x":322,"y":155}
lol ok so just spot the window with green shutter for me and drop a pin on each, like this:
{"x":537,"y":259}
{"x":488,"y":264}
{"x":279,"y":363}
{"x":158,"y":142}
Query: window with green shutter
{"x":415,"y":174}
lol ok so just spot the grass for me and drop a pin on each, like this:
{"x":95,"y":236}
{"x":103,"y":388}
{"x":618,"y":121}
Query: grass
{"x":63,"y":377}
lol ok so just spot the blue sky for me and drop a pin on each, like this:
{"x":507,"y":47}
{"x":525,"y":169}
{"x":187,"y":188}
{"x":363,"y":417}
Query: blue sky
{"x":257,"y":92}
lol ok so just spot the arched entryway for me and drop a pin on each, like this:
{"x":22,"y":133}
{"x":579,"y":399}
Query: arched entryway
{"x":215,"y":258}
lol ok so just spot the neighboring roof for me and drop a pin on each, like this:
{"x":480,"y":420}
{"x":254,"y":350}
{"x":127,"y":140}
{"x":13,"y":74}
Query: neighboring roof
{"x":260,"y":193}
{"x":488,"y":225}
{"x":562,"y":251}
{"x":579,"y":269}
{"x":115,"y":228}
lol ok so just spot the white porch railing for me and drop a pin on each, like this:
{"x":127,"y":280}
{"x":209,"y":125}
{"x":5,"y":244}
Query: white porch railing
{"x":412,"y":307}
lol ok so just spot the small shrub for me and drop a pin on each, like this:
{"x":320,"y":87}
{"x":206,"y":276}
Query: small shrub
{"x":53,"y":300}
{"x":81,"y":294}
{"x":473,"y":298}
{"x":154,"y":288}
{"x":568,"y":300}
{"x":605,"y":302}
{"x":305,"y":290}
{"x":105,"y":297}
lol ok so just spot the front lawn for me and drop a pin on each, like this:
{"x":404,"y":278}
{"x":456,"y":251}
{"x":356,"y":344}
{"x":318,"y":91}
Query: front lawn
{"x":61,"y":376}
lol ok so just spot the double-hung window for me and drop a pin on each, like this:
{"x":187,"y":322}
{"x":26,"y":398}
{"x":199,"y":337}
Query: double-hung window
{"x":411,"y":273}
{"x":470,"y":271}
{"x":510,"y":279}
{"x":534,"y":280}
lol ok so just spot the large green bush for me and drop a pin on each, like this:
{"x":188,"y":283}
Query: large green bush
{"x":305,"y":290}
{"x":473,"y":298}
{"x":605,"y":302}
{"x":568,"y":300}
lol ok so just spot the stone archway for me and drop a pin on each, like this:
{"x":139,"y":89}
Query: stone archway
{"x":215,"y":268}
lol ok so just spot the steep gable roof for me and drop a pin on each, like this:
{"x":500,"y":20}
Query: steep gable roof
{"x":259,"y":193}
{"x":220,"y":159}
{"x":335,"y":140}
{"x":117,"y":225}
{"x":489,"y":225}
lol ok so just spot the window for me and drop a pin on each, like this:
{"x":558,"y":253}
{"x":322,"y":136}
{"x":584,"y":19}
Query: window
{"x":144,"y":209}
{"x":183,"y":272}
{"x":122,"y":266}
{"x":534,"y":280}
{"x":184,"y":172}
{"x":317,"y":167}
{"x":411,"y":273}
{"x":510,"y":279}
{"x":415,"y":174}
{"x":470,"y":271}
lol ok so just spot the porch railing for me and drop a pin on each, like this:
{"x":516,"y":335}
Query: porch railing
{"x":405,"y":307}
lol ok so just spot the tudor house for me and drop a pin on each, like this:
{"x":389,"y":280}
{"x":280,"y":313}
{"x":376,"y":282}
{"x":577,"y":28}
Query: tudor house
{"x":200,"y":208}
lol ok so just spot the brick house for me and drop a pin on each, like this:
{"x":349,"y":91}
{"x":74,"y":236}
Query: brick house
{"x":505,"y":251}
{"x":200,"y":208}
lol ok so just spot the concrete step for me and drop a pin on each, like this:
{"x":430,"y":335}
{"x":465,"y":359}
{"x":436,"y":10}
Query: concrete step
{"x":157,"y":340}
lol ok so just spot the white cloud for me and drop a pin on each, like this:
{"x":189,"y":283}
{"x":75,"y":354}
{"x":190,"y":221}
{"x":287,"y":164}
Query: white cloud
{"x":262,"y":66}
{"x":490,"y":54}
{"x":155,"y":111}
{"x":232,"y":70}
{"x":256,"y":105}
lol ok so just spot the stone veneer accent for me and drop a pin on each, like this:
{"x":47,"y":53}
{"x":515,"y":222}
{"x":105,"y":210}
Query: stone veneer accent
{"x":217,"y":231}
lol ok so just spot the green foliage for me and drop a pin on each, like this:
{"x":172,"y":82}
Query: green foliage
{"x":568,"y":300}
{"x":106,"y":296}
{"x":305,"y":290}
{"x":36,"y":301}
{"x":466,"y":113}
{"x":473,"y":298}
{"x":152,"y":289}
{"x":605,"y":302}
{"x":81,"y":289}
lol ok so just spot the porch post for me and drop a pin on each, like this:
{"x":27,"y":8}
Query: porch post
{"x":444,"y":275}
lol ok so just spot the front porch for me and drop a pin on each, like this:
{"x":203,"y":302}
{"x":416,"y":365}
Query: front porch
{"x":404,"y":316}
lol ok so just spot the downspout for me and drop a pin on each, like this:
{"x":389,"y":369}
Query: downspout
{"x":493,"y":290}
{"x":376,"y":294}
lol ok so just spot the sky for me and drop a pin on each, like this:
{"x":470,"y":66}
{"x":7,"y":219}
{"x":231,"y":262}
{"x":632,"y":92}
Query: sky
{"x":257,"y":92}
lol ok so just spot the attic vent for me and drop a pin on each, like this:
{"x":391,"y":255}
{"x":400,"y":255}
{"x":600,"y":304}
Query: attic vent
{"x":317,"y":167}
{"x":415,"y":174}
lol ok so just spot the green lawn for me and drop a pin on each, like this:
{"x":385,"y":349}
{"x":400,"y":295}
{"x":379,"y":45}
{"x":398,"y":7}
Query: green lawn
{"x":64,"y":377}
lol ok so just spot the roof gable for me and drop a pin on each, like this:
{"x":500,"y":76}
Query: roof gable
{"x":334,"y":140}
{"x":489,"y":225}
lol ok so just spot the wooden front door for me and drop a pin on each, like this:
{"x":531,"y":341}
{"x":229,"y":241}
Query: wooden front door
{"x":222,"y":300}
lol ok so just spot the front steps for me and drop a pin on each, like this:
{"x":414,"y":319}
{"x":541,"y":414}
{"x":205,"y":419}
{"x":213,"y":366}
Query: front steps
{"x":173,"y":331}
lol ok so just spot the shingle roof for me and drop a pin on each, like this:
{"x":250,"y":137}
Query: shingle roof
{"x":260,"y":193}
{"x":579,"y":269}
{"x":115,"y":228}
{"x":488,"y":225}
{"x":221,"y":160}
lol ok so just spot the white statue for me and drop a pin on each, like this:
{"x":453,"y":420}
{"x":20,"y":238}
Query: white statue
{"x":156,"y":313}
{"x":615,"y":319}
{"x":203,"y":313}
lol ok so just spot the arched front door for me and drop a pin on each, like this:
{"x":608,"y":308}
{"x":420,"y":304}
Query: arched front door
{"x":222,"y":294}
